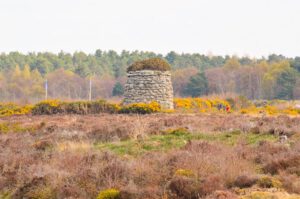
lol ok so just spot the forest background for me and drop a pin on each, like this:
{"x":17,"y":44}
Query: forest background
{"x":68,"y":76}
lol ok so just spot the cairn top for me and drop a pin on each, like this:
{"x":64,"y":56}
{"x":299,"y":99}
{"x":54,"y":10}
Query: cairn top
{"x":150,"y":64}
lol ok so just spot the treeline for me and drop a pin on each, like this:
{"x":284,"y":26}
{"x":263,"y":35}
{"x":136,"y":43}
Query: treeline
{"x":261,"y":80}
{"x":102,"y":62}
{"x":22,"y":76}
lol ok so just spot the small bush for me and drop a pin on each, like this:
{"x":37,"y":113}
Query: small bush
{"x":183,"y":187}
{"x":285,"y":162}
{"x":177,"y":131}
{"x":13,"y":109}
{"x":109,"y":194}
{"x":150,"y":64}
{"x":50,"y":107}
{"x":291,"y":183}
{"x":5,"y":195}
{"x":200,"y":104}
{"x":141,"y":108}
{"x":47,"y":107}
{"x":101,"y":106}
{"x":244,"y":181}
{"x":184,"y":172}
{"x":9,"y":127}
{"x":211,"y":184}
{"x":41,"y":193}
{"x":80,"y":107}
{"x":269,"y":182}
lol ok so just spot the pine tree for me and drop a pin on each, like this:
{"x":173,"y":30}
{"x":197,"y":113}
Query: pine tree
{"x":197,"y":85}
{"x":118,"y":89}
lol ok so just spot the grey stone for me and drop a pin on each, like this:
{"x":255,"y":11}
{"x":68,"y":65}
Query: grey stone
{"x":147,"y":86}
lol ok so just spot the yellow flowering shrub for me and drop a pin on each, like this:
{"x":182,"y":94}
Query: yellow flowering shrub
{"x":291,"y":111}
{"x":8,"y":127}
{"x":78,"y":107}
{"x":250,"y":110}
{"x":200,"y":104}
{"x":185,"y":172}
{"x":183,"y":103}
{"x":269,"y":182}
{"x":41,"y":192}
{"x":109,"y":194}
{"x":189,"y":105}
{"x":47,"y":107}
{"x":141,"y":108}
{"x":8,"y":109}
{"x":271,"y":110}
{"x":102,"y":106}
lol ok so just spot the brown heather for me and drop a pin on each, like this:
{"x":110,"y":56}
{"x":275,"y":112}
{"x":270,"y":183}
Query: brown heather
{"x":150,"y":64}
{"x":60,"y":159}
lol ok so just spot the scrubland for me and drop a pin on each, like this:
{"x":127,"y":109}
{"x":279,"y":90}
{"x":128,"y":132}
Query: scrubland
{"x":160,"y":155}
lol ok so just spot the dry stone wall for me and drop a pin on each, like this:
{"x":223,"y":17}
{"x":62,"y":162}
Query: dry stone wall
{"x":149,"y":85}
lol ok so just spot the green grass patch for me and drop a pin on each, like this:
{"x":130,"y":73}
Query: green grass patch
{"x":177,"y":140}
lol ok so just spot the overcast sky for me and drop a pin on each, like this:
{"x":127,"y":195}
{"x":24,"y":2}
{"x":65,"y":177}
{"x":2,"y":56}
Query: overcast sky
{"x":241,"y":27}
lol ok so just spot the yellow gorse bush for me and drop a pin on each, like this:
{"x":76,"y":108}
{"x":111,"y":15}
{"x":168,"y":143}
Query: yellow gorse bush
{"x":269,"y":182}
{"x":109,"y":194}
{"x":189,"y":105}
{"x":141,"y":108}
{"x":46,"y":107}
{"x":8,"y":109}
{"x":200,"y":104}
{"x":184,"y":172}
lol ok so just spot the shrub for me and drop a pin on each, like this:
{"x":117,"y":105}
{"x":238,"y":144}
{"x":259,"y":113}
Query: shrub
{"x":200,"y":104}
{"x":80,"y":107}
{"x":141,"y":108}
{"x":291,"y":183}
{"x":101,"y":106}
{"x":244,"y":181}
{"x":211,"y":184}
{"x":183,"y":187}
{"x":13,"y":109}
{"x":50,"y":107}
{"x":184,"y":172}
{"x":109,"y":194}
{"x":5,"y":195}
{"x":289,"y":162}
{"x":8,"y":127}
{"x":150,"y":64}
{"x":177,"y":131}
{"x":41,"y":193}
{"x":183,"y":103}
{"x":47,"y":107}
{"x":269,"y":182}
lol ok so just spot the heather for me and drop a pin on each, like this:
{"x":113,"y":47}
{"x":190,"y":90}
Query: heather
{"x":161,"y":155}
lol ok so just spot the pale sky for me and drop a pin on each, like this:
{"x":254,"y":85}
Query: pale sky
{"x":240,"y":27}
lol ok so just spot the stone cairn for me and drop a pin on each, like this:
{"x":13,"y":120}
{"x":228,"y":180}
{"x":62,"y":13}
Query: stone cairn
{"x":148,"y":84}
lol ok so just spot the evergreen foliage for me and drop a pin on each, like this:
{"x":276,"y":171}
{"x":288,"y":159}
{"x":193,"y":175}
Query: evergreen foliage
{"x":197,"y":86}
{"x":118,"y":89}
